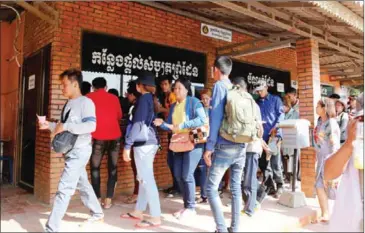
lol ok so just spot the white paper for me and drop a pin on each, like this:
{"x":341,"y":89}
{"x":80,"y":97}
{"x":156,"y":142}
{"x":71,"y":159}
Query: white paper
{"x":280,"y":87}
{"x":31,"y":82}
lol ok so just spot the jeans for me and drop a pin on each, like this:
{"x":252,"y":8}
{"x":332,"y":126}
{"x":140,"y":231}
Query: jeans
{"x":250,"y":182}
{"x":112,"y":147}
{"x":272,"y":174}
{"x":185,"y":164}
{"x":74,"y":176}
{"x":226,"y":157}
{"x":134,"y":169}
{"x":148,"y":193}
{"x":202,"y":175}
{"x":170,"y":162}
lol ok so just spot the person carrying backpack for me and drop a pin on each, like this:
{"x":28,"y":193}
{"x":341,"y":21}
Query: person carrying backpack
{"x":231,"y":127}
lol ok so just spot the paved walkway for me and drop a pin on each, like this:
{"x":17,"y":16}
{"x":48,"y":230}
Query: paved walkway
{"x":20,"y":212}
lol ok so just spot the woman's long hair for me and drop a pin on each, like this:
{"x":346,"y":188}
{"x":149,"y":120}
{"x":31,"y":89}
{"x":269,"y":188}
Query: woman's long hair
{"x":329,"y":106}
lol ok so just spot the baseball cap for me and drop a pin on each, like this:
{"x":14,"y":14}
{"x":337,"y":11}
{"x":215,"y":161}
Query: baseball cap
{"x":260,"y":86}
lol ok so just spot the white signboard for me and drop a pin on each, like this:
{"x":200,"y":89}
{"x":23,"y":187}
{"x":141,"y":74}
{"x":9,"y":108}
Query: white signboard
{"x":31,"y":82}
{"x":280,"y":87}
{"x":215,"y":32}
{"x":294,"y":84}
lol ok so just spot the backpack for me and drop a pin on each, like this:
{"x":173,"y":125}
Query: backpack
{"x":240,"y":122}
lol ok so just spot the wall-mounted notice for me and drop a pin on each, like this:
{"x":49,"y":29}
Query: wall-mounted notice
{"x":31,"y":82}
{"x":215,"y":32}
{"x":281,"y":87}
{"x":294,"y":84}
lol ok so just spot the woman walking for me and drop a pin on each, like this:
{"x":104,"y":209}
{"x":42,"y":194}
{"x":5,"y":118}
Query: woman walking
{"x":187,"y":113}
{"x":342,"y":118}
{"x":327,"y":142}
{"x":143,"y":138}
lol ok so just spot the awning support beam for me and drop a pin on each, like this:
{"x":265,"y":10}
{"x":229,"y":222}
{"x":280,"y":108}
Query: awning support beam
{"x":33,"y":10}
{"x":330,"y":41}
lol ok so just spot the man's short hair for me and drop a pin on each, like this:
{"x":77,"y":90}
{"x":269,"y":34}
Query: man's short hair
{"x":292,"y":91}
{"x":85,"y":88}
{"x":240,"y":81}
{"x":224,"y":64}
{"x":73,"y":74}
{"x":132,"y":88}
{"x":163,"y":78}
{"x":99,"y":83}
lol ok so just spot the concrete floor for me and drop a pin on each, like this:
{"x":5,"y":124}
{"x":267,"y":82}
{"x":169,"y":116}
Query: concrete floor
{"x":20,"y":212}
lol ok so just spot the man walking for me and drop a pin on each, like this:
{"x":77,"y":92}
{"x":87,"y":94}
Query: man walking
{"x":227,"y":154}
{"x":81,"y":121}
{"x":107,"y":137}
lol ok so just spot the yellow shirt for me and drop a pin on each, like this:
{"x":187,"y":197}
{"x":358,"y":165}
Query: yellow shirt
{"x":172,"y":98}
{"x":179,"y":115}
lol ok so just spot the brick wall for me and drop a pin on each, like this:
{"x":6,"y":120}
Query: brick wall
{"x":130,"y":20}
{"x":309,"y":94}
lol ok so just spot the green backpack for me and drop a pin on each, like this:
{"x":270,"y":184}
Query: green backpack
{"x":240,"y":122}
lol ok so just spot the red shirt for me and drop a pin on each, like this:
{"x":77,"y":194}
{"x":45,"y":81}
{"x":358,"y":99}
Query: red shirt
{"x":108,"y":115}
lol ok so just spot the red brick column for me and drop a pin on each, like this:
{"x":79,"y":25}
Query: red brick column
{"x":309,"y":94}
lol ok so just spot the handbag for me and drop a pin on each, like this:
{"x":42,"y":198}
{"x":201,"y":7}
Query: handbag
{"x":64,"y":141}
{"x":199,"y":135}
{"x":180,"y":142}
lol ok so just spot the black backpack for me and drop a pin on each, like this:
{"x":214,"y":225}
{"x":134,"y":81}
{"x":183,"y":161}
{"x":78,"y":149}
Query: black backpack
{"x":64,"y":141}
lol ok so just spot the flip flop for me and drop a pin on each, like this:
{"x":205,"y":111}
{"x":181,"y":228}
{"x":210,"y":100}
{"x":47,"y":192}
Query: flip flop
{"x":146,"y":224}
{"x":129,"y":216}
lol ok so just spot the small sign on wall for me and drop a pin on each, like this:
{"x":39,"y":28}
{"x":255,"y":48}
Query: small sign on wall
{"x":31,"y":82}
{"x":281,"y":87}
{"x":294,"y":84}
{"x":215,"y":32}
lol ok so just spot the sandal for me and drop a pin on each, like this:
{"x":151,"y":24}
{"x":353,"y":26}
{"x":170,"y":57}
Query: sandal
{"x":129,"y":216}
{"x":147,"y":224}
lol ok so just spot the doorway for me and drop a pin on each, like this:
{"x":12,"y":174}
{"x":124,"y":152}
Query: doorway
{"x":34,"y":100}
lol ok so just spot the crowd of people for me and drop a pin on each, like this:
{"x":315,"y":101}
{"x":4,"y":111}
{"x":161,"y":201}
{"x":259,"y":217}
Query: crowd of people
{"x":223,"y":137}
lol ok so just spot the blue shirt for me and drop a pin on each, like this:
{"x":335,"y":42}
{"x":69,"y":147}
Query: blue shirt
{"x":216,"y":114}
{"x":272,"y":113}
{"x":195,"y":114}
{"x":144,"y":115}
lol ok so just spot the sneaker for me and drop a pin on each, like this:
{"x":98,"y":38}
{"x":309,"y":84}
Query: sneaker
{"x":229,"y":229}
{"x":168,"y":190}
{"x":243,"y":212}
{"x":178,"y":213}
{"x":172,"y":193}
{"x":279,"y":192}
{"x":92,"y":220}
{"x":257,"y":207}
{"x":187,"y":214}
{"x":202,"y":200}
